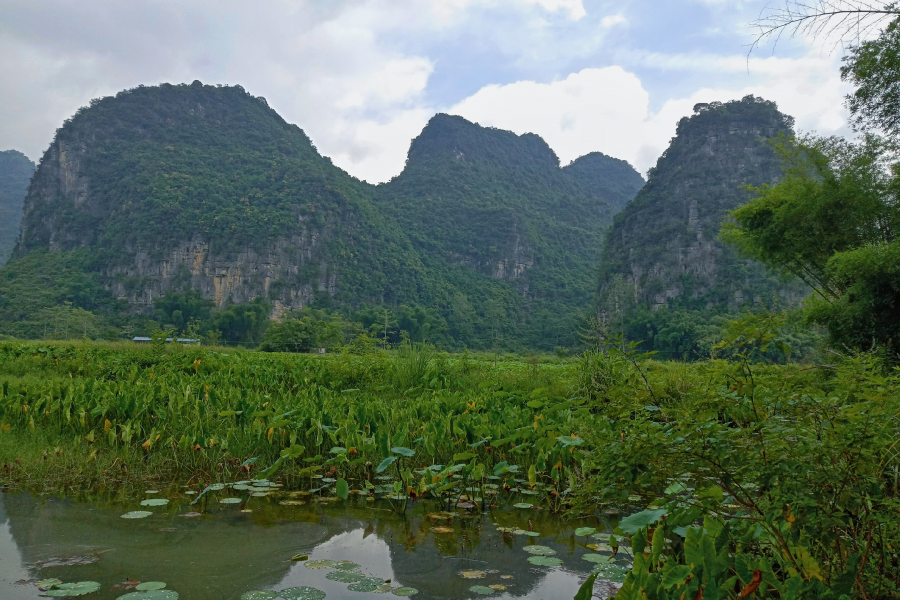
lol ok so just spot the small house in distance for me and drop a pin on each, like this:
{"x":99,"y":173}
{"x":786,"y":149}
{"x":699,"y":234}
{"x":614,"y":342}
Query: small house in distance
{"x":185,"y":341}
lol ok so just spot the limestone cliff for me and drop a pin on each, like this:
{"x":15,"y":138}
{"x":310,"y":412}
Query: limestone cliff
{"x":664,"y":243}
{"x":15,"y":173}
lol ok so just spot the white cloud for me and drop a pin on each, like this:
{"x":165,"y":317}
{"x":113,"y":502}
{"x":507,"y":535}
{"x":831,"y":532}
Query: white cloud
{"x":609,"y":110}
{"x":612,"y":21}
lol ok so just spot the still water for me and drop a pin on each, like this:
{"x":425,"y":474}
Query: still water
{"x":229,"y":549}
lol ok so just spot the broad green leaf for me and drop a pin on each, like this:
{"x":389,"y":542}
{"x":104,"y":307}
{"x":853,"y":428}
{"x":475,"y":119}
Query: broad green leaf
{"x":342,"y":489}
{"x":586,"y":591}
{"x":640,"y":520}
{"x":385,"y":464}
{"x":403,"y":451}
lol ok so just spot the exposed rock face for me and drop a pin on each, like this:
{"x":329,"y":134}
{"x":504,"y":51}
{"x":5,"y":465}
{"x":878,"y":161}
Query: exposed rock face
{"x":665,"y":240}
{"x":16,"y":171}
{"x":207,"y":188}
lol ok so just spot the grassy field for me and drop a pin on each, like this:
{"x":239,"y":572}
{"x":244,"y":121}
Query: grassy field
{"x":782,"y":477}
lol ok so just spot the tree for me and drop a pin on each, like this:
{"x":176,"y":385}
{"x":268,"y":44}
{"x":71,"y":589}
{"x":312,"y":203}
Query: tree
{"x":304,"y":330}
{"x":833,"y":221}
{"x":243,"y":323}
{"x":874,"y":68}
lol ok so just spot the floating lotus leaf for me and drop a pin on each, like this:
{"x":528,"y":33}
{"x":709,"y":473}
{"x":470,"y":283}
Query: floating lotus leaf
{"x":522,"y":505}
{"x":192,"y":515}
{"x":230,"y":500}
{"x":259,"y":595}
{"x":215,"y":487}
{"x":603,"y":537}
{"x":328,"y":480}
{"x":241,"y":487}
{"x":480,"y":589}
{"x":345,"y":576}
{"x":259,"y":494}
{"x":137,"y":514}
{"x":321,"y":564}
{"x":62,"y":590}
{"x":190,"y":492}
{"x":151,"y":595}
{"x":346,"y":565}
{"x":152,"y":492}
{"x":529,"y":492}
{"x":154,"y":502}
{"x":544,"y":561}
{"x":384,"y":588}
{"x":148,"y":586}
{"x":597,"y":558}
{"x":406,"y":591}
{"x":585,"y":531}
{"x":465,"y":505}
{"x":48,"y":583}
{"x":301,"y":593}
{"x":610,"y":572}
{"x":363,"y":586}
{"x":507,"y":577}
{"x":247,"y":510}
{"x":539,"y":550}
{"x":529,"y":533}
{"x":292,"y":502}
{"x":472,"y":574}
{"x":442,"y":529}
{"x":497,"y":587}
{"x":300,"y":557}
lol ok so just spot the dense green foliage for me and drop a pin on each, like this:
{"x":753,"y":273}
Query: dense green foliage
{"x":16,"y":170}
{"x":781,"y":471}
{"x":663,"y":249}
{"x":873,"y":67}
{"x":832,"y":222}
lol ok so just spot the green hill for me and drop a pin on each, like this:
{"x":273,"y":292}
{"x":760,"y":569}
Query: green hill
{"x":498,"y":204}
{"x":663,"y":251}
{"x":203,"y":189}
{"x":15,"y":173}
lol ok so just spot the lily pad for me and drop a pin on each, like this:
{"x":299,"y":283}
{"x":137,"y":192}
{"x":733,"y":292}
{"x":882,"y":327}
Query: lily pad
{"x":241,"y":487}
{"x":345,"y":576}
{"x":507,"y":577}
{"x":151,"y":595}
{"x":346,"y":565}
{"x":442,"y":529}
{"x":529,"y":533}
{"x":597,"y":558}
{"x":259,"y":595}
{"x":539,"y":550}
{"x":497,"y":587}
{"x":151,"y":492}
{"x":190,"y":492}
{"x":259,"y":494}
{"x":406,"y":591}
{"x":62,"y":590}
{"x":154,"y":502}
{"x":364,"y":586}
{"x":300,"y":557}
{"x":523,"y":505}
{"x":581,"y":531}
{"x":472,"y":574}
{"x":215,"y":487}
{"x":292,"y":502}
{"x":48,"y":583}
{"x":230,"y":500}
{"x":480,"y":589}
{"x":384,"y":588}
{"x":544,"y":561}
{"x":137,"y":514}
{"x":301,"y":593}
{"x":321,"y":564}
{"x":192,"y":515}
{"x":610,"y":572}
{"x":149,"y":586}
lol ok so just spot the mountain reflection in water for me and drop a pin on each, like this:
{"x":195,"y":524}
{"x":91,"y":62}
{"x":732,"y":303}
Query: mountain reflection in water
{"x":227,"y":552}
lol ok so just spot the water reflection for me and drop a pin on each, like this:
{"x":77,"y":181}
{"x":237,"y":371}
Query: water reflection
{"x":227,"y":552}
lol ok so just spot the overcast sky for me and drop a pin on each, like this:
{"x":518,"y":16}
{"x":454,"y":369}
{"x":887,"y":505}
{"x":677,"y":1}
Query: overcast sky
{"x":362,"y":77}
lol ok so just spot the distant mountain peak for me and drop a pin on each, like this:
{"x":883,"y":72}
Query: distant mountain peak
{"x":451,"y":137}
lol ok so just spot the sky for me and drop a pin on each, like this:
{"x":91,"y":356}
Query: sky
{"x":363,"y":77}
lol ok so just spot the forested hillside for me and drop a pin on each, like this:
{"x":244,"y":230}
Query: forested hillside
{"x":182,"y":190}
{"x":477,"y":200}
{"x":15,"y":173}
{"x":664,"y":269}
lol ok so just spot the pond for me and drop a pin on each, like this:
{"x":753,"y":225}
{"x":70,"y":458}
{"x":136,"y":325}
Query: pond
{"x":229,"y":543}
